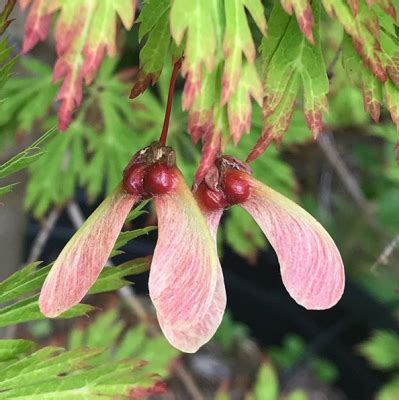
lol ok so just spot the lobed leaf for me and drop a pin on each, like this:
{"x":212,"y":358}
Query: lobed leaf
{"x":13,"y":348}
{"x":122,"y":343}
{"x":197,"y":21}
{"x":154,"y":22}
{"x":304,"y":15}
{"x":22,"y":107}
{"x":53,"y":373}
{"x":84,"y":32}
{"x":289,"y":62}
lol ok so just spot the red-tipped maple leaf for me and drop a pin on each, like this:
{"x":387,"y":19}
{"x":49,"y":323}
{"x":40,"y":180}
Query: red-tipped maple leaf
{"x":290,"y":63}
{"x":84,"y":32}
{"x":304,"y":15}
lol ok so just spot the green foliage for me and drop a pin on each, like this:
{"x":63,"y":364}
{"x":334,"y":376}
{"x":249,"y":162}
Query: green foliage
{"x":381,"y":350}
{"x":97,"y":365}
{"x":293,"y":349}
{"x":18,"y":293}
{"x":27,"y":99}
{"x":121,"y":342}
{"x":92,"y":151}
{"x":23,"y":160}
{"x":390,"y":391}
{"x":53,"y":373}
{"x":12,"y":348}
{"x":266,"y":385}
{"x":289,"y":62}
{"x":230,"y":331}
{"x":154,"y":24}
{"x":6,"y":64}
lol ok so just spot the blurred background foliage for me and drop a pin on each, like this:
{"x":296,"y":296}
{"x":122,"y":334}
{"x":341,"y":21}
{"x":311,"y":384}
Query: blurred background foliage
{"x":348,"y":179}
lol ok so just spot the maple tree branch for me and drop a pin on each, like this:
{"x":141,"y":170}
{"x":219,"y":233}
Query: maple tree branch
{"x":165,"y":127}
{"x":385,"y":255}
{"x":331,"y":153}
{"x":43,"y":235}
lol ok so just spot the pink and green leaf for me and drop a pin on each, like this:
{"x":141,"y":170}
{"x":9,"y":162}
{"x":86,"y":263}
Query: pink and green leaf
{"x":154,"y":22}
{"x":304,"y":15}
{"x":387,"y":5}
{"x":84,"y":33}
{"x":238,"y":41}
{"x":82,"y":259}
{"x":289,"y":62}
{"x":391,"y":93}
{"x":200,"y":117}
{"x":278,"y":121}
{"x":364,"y":79}
{"x":240,"y":104}
{"x":364,"y":31}
{"x":196,"y":23}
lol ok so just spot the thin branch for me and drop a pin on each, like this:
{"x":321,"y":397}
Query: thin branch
{"x":326,"y":143}
{"x":43,"y":235}
{"x":383,"y":258}
{"x":333,"y":63}
{"x":165,"y":127}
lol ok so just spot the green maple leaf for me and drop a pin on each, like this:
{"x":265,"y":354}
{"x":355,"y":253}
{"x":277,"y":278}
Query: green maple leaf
{"x":199,"y":23}
{"x":154,"y":23}
{"x":21,"y":108}
{"x":238,"y":41}
{"x":291,"y":62}
{"x":363,"y":27}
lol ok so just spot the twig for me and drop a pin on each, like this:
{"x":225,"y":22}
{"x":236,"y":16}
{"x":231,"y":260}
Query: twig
{"x":43,"y":235}
{"x":383,"y":258}
{"x":329,"y":149}
{"x":134,"y":303}
{"x":333,"y":63}
{"x":188,"y":381}
{"x":325,"y":190}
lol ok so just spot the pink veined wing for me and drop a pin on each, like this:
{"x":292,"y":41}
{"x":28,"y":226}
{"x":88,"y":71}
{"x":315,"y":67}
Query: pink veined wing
{"x":192,"y":338}
{"x":310,"y":263}
{"x":82,"y":259}
{"x":185,"y":264}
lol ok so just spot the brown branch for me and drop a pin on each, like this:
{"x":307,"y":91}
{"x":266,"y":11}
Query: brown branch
{"x":43,"y":235}
{"x":383,"y":258}
{"x":326,"y":143}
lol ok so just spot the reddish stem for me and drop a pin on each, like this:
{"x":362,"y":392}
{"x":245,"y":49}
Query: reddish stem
{"x":165,"y":128}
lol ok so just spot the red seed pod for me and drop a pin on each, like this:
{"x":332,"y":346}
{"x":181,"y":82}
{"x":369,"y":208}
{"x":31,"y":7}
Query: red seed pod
{"x":159,"y":179}
{"x":210,"y":199}
{"x":236,"y":186}
{"x":133,"y":177}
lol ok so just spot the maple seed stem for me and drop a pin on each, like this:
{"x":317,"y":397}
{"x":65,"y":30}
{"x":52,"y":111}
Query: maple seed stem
{"x":165,"y":128}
